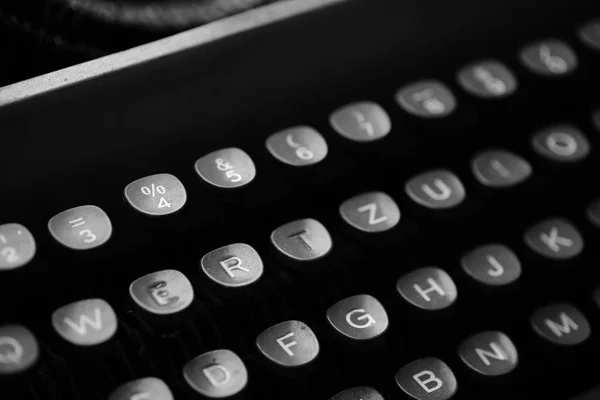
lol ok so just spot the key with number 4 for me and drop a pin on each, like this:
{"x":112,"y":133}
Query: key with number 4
{"x":159,"y":194}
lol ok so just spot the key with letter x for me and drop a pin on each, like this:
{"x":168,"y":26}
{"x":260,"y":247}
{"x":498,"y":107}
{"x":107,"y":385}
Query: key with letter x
{"x":554,"y":238}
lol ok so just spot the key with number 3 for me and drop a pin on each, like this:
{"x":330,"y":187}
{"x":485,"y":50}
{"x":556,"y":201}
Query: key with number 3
{"x":81,"y":228}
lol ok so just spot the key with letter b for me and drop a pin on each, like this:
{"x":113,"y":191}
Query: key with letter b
{"x":427,"y":379}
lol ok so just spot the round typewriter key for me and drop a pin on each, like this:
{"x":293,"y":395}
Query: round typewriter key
{"x":596,"y":118}
{"x":216,"y":374}
{"x":17,"y":246}
{"x":488,"y":79}
{"x":85,"y":323}
{"x":18,"y":349}
{"x":489,"y":353}
{"x":289,"y":344}
{"x":359,"y":317}
{"x":231,"y":266}
{"x":555,"y":238}
{"x":227,"y":168}
{"x":500,"y":168}
{"x":593,"y":212}
{"x":597,"y":296}
{"x":590,"y":34}
{"x":427,"y":379}
{"x":561,"y":143}
{"x":361,"y":122}
{"x":371,"y":212}
{"x":163,"y":292}
{"x":302,"y":240}
{"x":159,"y":194}
{"x":142,"y":389}
{"x":298,"y":146}
{"x":81,"y":228}
{"x":427,"y":288}
{"x":426,"y":99}
{"x":436,"y":189}
{"x":492,"y":264}
{"x":549,"y":58}
{"x":358,"y":393}
{"x":561,"y":324}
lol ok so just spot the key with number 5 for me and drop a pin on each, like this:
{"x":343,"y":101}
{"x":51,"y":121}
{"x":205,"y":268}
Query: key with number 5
{"x":81,"y":228}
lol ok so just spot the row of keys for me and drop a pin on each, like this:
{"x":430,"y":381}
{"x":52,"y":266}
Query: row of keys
{"x":292,"y":344}
{"x":428,"y":288}
{"x":89,"y":226}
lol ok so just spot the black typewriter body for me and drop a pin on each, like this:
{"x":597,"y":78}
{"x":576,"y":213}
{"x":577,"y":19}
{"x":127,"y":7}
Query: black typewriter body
{"x":533,"y":335}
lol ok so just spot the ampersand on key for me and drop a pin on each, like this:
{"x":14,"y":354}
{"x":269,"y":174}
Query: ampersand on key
{"x":222,"y":165}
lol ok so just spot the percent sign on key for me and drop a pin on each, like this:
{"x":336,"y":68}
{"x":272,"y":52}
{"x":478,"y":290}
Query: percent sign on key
{"x":152,"y":190}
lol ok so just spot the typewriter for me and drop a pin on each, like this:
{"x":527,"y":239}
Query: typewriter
{"x":345,"y":200}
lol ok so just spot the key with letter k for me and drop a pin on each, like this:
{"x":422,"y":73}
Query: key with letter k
{"x":554,"y":239}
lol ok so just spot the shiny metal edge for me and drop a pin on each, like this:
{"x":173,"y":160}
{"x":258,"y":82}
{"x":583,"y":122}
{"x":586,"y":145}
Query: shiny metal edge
{"x":182,"y":41}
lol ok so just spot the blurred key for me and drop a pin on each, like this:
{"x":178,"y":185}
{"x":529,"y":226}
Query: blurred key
{"x":487,"y":79}
{"x":358,"y":393}
{"x":227,"y":168}
{"x":492,"y":265}
{"x":302,"y":240}
{"x":426,"y":99}
{"x":371,"y":212}
{"x":235,"y":265}
{"x":86,"y":322}
{"x":359,"y":317}
{"x":561,"y":324}
{"x":159,"y":194}
{"x":216,"y":374}
{"x":436,"y":189}
{"x":18,"y":349}
{"x":555,"y":238}
{"x":289,"y":344}
{"x":427,"y":288}
{"x":597,"y":296}
{"x":163,"y":292}
{"x":549,"y":58}
{"x":500,"y":168}
{"x":142,"y":389}
{"x":427,"y":379}
{"x":593,"y":394}
{"x":17,"y":246}
{"x":81,"y":228}
{"x":489,"y":353}
{"x":590,"y":35}
{"x":593,"y":212}
{"x":361,"y":122}
{"x":298,"y":146}
{"x":562,"y":143}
